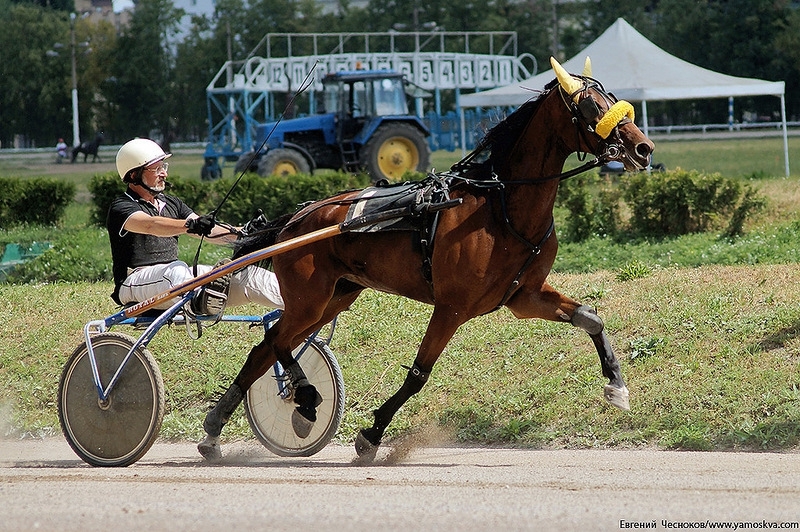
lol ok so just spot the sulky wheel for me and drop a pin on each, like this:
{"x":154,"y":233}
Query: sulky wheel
{"x":393,"y":150}
{"x":270,"y":415}
{"x":121,"y":429}
{"x":283,"y":162}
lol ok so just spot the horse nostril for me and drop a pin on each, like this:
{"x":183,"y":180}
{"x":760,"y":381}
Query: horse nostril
{"x":643,"y":150}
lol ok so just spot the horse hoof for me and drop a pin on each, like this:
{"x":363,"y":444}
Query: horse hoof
{"x":365,"y":449}
{"x":618,"y":397}
{"x":301,"y":424}
{"x":210,"y":449}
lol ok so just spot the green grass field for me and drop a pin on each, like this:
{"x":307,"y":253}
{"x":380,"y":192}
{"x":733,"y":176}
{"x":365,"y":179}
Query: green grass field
{"x":709,"y":344}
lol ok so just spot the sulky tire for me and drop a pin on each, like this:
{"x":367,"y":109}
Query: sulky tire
{"x":270,"y":415}
{"x":119,"y":431}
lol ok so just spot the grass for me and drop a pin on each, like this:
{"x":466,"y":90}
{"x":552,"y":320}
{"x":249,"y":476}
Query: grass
{"x":707,"y":331}
{"x":711,"y":356}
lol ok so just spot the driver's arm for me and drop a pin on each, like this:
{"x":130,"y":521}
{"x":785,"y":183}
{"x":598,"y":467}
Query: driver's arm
{"x":141,"y":222}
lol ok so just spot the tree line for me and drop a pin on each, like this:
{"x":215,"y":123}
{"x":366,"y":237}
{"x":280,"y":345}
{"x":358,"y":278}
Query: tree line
{"x":141,"y":78}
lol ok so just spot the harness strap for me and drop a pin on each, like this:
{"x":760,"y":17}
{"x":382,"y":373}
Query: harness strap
{"x":535,"y":251}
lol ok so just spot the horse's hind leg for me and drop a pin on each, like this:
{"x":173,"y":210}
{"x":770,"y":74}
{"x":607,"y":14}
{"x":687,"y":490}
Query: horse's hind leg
{"x":615,"y":391}
{"x":217,"y":417}
{"x":277,"y":346}
{"x":368,"y":440}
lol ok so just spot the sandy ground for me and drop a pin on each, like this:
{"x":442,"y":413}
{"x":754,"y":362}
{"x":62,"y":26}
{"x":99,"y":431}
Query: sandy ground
{"x":44,"y":486}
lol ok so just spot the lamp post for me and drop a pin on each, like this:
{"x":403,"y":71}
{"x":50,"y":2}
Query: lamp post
{"x":76,"y":132}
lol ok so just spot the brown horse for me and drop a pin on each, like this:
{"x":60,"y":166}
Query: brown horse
{"x":494,"y":249}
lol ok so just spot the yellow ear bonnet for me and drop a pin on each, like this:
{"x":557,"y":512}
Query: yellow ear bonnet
{"x":568,"y":83}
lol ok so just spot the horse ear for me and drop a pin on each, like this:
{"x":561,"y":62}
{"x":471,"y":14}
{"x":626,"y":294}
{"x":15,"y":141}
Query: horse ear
{"x":587,"y":67}
{"x":568,"y":83}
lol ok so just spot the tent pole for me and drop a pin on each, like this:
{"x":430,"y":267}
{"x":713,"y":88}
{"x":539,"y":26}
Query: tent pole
{"x":463,"y":133}
{"x":644,"y":118}
{"x":785,"y":135}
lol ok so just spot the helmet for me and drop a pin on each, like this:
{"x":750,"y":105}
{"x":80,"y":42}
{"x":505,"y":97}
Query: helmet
{"x":137,"y":153}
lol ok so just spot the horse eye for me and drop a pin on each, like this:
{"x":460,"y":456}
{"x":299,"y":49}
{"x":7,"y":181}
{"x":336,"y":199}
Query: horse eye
{"x":589,"y":109}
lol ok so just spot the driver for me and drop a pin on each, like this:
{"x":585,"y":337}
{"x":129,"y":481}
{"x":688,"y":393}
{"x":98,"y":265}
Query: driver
{"x":143,"y":228}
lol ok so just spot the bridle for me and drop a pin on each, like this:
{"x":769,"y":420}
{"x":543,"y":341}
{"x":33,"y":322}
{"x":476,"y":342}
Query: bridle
{"x":587,"y":117}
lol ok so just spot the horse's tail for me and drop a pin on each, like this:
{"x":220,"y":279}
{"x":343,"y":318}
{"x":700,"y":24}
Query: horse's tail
{"x":263,"y":238}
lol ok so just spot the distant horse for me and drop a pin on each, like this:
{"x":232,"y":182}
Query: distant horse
{"x":494,"y":249}
{"x":88,"y":148}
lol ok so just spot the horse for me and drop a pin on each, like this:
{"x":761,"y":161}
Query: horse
{"x":493,"y":249}
{"x":88,"y":148}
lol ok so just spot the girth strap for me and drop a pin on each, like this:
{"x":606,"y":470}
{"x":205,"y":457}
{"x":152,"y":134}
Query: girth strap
{"x":535,"y":250}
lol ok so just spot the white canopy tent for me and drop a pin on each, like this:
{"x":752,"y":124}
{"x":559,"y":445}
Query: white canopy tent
{"x":635,"y":69}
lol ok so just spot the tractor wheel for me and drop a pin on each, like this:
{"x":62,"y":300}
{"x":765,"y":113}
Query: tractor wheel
{"x":283,"y":162}
{"x":246,"y":163}
{"x":210,"y":170}
{"x":393,"y":150}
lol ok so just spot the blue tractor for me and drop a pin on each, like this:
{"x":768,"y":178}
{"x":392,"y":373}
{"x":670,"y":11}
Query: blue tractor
{"x":363,"y":125}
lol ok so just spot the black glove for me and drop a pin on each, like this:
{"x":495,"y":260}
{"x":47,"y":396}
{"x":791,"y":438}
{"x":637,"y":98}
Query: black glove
{"x":202,"y":225}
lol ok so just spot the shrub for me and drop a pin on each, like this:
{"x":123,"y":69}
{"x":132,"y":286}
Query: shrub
{"x":34,"y":201}
{"x":590,"y":213}
{"x":751,"y":202}
{"x":77,"y":255}
{"x":661,"y":204}
{"x":104,"y":188}
{"x":634,"y":269}
{"x":678,"y":202}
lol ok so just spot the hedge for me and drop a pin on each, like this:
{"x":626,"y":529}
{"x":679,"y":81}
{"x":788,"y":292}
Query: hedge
{"x":274,"y":195}
{"x":40,"y":201}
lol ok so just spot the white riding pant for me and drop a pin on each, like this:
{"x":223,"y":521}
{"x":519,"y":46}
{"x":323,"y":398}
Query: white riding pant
{"x":249,"y":285}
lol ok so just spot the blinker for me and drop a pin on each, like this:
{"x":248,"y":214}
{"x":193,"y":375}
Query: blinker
{"x":589,"y":109}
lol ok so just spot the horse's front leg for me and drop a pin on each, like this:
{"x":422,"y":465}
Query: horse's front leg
{"x":546,"y":303}
{"x":441,"y":328}
{"x":615,"y":391}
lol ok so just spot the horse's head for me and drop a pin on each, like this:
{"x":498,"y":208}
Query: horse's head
{"x":605,"y":124}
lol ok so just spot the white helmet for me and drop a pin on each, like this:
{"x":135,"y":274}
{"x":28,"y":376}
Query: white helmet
{"x":137,"y":153}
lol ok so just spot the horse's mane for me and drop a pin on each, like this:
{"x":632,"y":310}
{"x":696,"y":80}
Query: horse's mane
{"x":500,"y":139}
{"x":264,"y":237}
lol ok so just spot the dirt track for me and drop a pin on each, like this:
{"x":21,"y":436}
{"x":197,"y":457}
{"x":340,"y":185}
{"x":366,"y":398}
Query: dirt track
{"x":44,"y":486}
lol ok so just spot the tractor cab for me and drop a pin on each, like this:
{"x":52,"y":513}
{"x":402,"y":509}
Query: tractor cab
{"x":356,"y":97}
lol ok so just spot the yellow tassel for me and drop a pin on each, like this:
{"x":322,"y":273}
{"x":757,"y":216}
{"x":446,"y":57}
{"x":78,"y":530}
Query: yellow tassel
{"x":614,"y":116}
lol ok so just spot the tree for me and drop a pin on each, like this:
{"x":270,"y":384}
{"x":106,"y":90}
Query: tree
{"x":143,"y":82}
{"x":35,"y":96}
{"x":199,"y":58}
{"x":143,"y":69}
{"x":59,"y":5}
